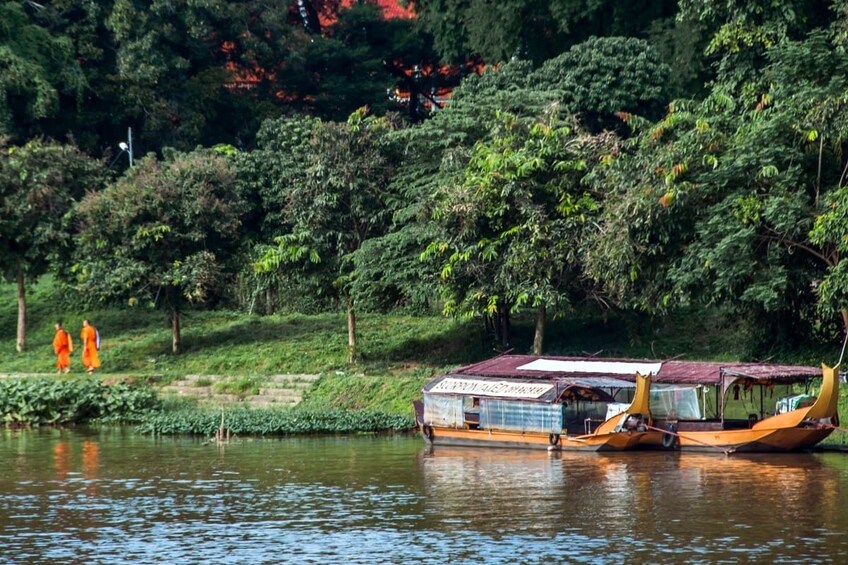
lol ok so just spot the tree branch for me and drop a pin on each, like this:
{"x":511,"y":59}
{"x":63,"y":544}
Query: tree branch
{"x":791,"y":243}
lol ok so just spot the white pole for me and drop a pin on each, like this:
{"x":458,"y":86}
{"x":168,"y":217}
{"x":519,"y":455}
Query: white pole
{"x":129,"y":143}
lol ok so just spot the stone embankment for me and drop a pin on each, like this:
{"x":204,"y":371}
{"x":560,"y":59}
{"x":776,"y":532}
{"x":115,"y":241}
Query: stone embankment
{"x":282,"y":391}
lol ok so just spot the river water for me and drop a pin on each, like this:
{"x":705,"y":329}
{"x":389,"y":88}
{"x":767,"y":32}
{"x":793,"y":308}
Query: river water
{"x":113,"y":496}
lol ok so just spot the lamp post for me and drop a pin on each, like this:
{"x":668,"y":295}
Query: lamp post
{"x":127,"y":145}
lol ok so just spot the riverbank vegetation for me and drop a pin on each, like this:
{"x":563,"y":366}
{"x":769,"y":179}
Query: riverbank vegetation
{"x":554,"y":180}
{"x":336,"y":403}
{"x":653,"y":182}
{"x":245,"y":421}
{"x":69,"y":401}
{"x":74,"y":400}
{"x":402,"y":352}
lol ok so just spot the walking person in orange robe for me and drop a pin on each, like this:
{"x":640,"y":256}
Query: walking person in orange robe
{"x":90,"y":358}
{"x":62,"y":346}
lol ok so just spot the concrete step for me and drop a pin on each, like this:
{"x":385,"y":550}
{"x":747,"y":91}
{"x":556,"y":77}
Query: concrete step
{"x":298,"y":381}
{"x":189,"y":390}
{"x":266,"y":401}
{"x":281,"y":392}
{"x":276,"y":390}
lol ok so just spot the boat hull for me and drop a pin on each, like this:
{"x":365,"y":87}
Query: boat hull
{"x":619,"y":441}
{"x":749,"y":440}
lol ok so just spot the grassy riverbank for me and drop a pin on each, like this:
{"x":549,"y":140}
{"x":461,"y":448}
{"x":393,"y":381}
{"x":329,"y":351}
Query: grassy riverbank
{"x":398,"y":352}
{"x":136,"y":341}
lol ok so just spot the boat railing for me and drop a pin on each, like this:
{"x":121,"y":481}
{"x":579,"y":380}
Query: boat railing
{"x":590,"y":423}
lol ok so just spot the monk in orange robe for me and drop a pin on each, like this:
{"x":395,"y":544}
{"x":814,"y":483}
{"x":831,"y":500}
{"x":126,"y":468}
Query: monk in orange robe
{"x":62,"y":346}
{"x":90,"y":358}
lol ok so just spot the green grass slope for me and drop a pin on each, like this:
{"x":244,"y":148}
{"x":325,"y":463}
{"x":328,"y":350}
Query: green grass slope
{"x":398,"y":352}
{"x":137,"y":340}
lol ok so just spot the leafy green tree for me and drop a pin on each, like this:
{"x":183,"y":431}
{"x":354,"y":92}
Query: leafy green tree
{"x":697,"y":212}
{"x":90,"y":111}
{"x":338,"y":206}
{"x":207,"y":72}
{"x":511,"y":232}
{"x":681,"y":42}
{"x":532,"y":29}
{"x":429,"y":155}
{"x":828,"y":235}
{"x":602,"y":77}
{"x":826,"y":114}
{"x":435,"y":153}
{"x":266,"y":176}
{"x":36,"y":67}
{"x":199,"y":72}
{"x":361,"y":59}
{"x":39,"y":184}
{"x":725,"y":203}
{"x":162,"y":236}
{"x":267,"y":173}
{"x":741,"y":32}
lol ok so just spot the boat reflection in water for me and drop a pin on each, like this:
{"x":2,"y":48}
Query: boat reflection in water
{"x":694,"y":504}
{"x":113,"y":496}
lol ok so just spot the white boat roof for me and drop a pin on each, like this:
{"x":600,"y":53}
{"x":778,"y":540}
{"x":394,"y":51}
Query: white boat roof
{"x":590,"y":366}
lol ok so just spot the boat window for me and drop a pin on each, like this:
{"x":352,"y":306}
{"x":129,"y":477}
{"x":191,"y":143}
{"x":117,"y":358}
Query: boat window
{"x":520,"y":416}
{"x":576,"y":413}
{"x":440,"y":410}
{"x":744,"y":398}
{"x":623,"y":395}
{"x":471,"y":403}
{"x":674,"y":401}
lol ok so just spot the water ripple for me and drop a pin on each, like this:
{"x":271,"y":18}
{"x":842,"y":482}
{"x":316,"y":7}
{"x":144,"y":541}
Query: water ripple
{"x":389,"y":500}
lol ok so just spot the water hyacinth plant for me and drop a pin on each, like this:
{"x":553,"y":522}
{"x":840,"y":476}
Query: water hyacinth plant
{"x":35,"y":401}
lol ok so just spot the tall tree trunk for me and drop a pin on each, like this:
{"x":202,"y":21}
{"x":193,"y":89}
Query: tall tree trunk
{"x":175,"y":331}
{"x":351,"y":332}
{"x":505,"y":326}
{"x":492,"y":323}
{"x":270,"y":300}
{"x":539,"y":336}
{"x":21,"y":313}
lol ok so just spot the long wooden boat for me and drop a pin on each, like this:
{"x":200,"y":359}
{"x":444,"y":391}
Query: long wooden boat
{"x":785,"y":429}
{"x":562,"y":413}
{"x":697,"y":406}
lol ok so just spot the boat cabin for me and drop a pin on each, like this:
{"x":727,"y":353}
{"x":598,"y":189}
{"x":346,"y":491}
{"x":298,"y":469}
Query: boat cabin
{"x":562,"y":405}
{"x":699,"y":395}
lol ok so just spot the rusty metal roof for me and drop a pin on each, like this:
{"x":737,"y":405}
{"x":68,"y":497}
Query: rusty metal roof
{"x":677,"y":372}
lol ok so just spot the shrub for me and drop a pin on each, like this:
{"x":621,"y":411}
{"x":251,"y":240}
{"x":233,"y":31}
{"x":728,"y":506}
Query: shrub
{"x":36,"y":401}
{"x":272,"y":421}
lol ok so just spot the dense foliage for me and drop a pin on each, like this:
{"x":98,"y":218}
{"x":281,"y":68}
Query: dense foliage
{"x":38,"y":401}
{"x":162,"y":235}
{"x":253,"y":421}
{"x":534,"y":29}
{"x":188,"y":73}
{"x":639,"y":156}
{"x":40,"y":182}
